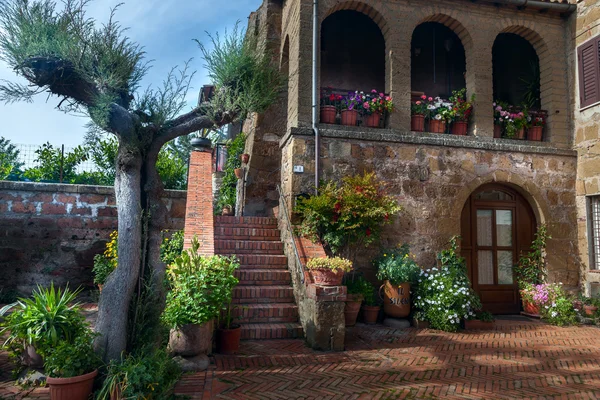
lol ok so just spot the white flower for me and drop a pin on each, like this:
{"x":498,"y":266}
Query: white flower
{"x":438,"y":117}
{"x":419,"y":297}
{"x":554,"y":314}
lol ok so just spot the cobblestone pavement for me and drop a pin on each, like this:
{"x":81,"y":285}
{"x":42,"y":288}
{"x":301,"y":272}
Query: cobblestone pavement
{"x":518,"y":359}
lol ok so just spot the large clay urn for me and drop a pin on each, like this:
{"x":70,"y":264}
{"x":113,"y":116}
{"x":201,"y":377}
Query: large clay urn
{"x":192,"y":339}
{"x":396,"y":299}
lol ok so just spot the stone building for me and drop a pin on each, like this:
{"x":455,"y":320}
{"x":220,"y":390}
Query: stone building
{"x":476,"y":186}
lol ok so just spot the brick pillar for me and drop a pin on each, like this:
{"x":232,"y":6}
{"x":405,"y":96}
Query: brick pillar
{"x":199,"y":215}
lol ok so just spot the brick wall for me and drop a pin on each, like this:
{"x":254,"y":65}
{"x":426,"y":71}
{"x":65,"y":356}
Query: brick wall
{"x":51,"y":232}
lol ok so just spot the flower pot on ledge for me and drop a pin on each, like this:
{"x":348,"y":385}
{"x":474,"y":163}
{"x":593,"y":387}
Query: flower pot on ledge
{"x":328,"y":114}
{"x":437,"y":126}
{"x":497,"y":131}
{"x":417,"y":123}
{"x":459,"y":128}
{"x":349,"y":117}
{"x":238,"y":173}
{"x":520,"y":134}
{"x":326,"y":277}
{"x":372,"y":121}
{"x":535,"y":133}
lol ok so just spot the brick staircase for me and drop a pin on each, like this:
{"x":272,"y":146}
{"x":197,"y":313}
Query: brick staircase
{"x":267,"y":309}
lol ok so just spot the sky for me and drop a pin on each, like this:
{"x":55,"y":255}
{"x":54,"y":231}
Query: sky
{"x":166,"y":29}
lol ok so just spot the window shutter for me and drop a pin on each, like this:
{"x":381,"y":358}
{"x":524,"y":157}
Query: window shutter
{"x":588,"y":57}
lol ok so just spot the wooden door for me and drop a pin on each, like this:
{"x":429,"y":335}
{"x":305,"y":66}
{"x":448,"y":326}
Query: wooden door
{"x":497,"y":224}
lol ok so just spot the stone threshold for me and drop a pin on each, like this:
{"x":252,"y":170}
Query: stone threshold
{"x":429,"y":139}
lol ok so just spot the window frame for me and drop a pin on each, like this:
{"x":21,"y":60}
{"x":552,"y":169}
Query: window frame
{"x":593,"y":232}
{"x":595,"y":43}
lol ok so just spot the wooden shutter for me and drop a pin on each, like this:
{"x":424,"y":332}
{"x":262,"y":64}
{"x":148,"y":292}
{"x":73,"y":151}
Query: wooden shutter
{"x":588,"y":57}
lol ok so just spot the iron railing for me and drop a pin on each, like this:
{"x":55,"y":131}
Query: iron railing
{"x":286,"y":217}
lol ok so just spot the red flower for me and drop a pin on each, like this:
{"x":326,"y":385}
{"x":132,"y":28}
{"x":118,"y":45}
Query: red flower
{"x":386,"y":217}
{"x":332,"y":97}
{"x":368,"y":231}
{"x":337,"y":207}
{"x":423,"y":97}
{"x":336,"y":217}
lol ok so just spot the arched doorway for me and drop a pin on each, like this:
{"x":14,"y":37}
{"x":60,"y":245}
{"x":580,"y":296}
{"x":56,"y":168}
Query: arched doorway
{"x":497,"y":224}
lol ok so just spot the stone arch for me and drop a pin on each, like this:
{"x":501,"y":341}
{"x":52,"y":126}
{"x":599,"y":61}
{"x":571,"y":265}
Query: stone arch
{"x":527,"y":188}
{"x":364,"y":8}
{"x":454,"y":24}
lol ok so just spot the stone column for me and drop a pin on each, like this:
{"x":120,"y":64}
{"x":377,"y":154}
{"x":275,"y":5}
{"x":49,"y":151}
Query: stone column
{"x":199,"y":215}
{"x":479,"y":79}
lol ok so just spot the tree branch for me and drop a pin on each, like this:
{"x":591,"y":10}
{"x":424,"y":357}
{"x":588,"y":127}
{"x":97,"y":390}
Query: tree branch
{"x":189,"y":125}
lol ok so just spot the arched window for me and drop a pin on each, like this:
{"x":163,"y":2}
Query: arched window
{"x":438,"y":62}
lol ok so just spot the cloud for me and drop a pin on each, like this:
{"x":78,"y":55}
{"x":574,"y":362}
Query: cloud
{"x":166,"y":29}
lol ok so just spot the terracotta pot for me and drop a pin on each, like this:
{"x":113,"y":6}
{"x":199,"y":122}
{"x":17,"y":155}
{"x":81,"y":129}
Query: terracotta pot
{"x":191,"y":339}
{"x":349,"y":117}
{"x":459,"y":128}
{"x":417,"y":123}
{"x":436,"y":126}
{"x":520,"y":134}
{"x":245,"y":158}
{"x":420,"y":324}
{"x":327,"y":277}
{"x":228,"y":340}
{"x":370,"y":314}
{"x":531,"y":308}
{"x":238,"y":173}
{"x":372,"y":121}
{"x":396,"y":299}
{"x":590,"y":310}
{"x":535,"y":133}
{"x":75,"y":388}
{"x":328,"y":114}
{"x":497,"y":131}
{"x":578,"y":305}
{"x":477,"y":325}
{"x":352,"y":308}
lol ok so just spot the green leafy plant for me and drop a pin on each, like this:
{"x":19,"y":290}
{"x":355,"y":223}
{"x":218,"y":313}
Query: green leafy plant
{"x":483,"y":316}
{"x":50,"y":316}
{"x":397,"y":266}
{"x":199,"y":287}
{"x":50,"y":160}
{"x":69,"y":359}
{"x":335,"y":264}
{"x":461,"y":108}
{"x":171,"y":246}
{"x":150,"y":375}
{"x":443,"y":295}
{"x":348,"y":216}
{"x":9,"y":159}
{"x":560,"y":311}
{"x":531,"y":268}
{"x":105,"y":263}
{"x":360,"y":285}
{"x":226,"y":195}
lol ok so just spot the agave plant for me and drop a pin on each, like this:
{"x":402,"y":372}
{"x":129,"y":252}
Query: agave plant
{"x":49,"y":316}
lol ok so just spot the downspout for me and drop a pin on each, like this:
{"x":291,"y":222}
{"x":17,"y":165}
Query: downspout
{"x":542,"y":5}
{"x":314,"y":90}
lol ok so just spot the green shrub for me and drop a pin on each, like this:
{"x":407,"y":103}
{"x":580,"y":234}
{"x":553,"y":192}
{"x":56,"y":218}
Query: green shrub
{"x":150,"y":375}
{"x":443,"y":296}
{"x":531,"y":268}
{"x":49,"y":317}
{"x":171,"y":247}
{"x":226,"y":196}
{"x":347,"y":216}
{"x":397,"y":266}
{"x":360,"y":285}
{"x":106,"y":263}
{"x":69,"y":359}
{"x":200,"y":286}
{"x":484,"y":316}
{"x":560,"y":311}
{"x":333,"y":263}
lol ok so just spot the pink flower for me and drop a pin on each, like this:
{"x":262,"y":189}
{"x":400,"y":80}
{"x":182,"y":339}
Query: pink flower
{"x":423,"y":97}
{"x":430,"y":99}
{"x":366,"y":105}
{"x":373,"y":91}
{"x":381,"y":95}
{"x":418,"y":103}
{"x":388,"y":98}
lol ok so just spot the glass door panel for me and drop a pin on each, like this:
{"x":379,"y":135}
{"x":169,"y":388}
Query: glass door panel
{"x":484,"y":227}
{"x":505,"y":267}
{"x":485,"y":267}
{"x":504,"y":228}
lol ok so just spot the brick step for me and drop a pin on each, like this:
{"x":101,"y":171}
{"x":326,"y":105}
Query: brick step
{"x":248,"y":246}
{"x":264,"y":313}
{"x":272,"y":331}
{"x":263,"y":294}
{"x":236,"y":233}
{"x":267,"y":276}
{"x":246,"y":222}
{"x":262,"y":261}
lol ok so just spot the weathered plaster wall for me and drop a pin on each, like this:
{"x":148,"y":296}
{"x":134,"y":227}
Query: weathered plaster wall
{"x":433,"y":175}
{"x":51,"y":232}
{"x":584,"y":25}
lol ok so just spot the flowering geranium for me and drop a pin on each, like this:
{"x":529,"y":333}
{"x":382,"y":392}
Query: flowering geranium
{"x":419,"y":107}
{"x":461,"y":108}
{"x":328,"y":98}
{"x":538,"y":120}
{"x":376,"y":102}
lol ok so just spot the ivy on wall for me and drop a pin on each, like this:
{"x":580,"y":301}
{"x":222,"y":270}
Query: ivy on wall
{"x":226,"y":195}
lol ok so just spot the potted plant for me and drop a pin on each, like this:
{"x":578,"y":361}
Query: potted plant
{"x":531,"y":272}
{"x":354,"y":299}
{"x":530,"y":306}
{"x":439,"y":114}
{"x":536,"y":129}
{"x":397,"y":268}
{"x":37,"y":324}
{"x":106,"y":262}
{"x":200,"y":286}
{"x":71,"y":368}
{"x":418,"y":110}
{"x":239,"y":173}
{"x":498,"y":119}
{"x":329,"y":106}
{"x":373,"y":107}
{"x":590,"y":306}
{"x":228,"y":333}
{"x":461,"y":112}
{"x":328,"y":271}
{"x":245,"y":158}
{"x":350,"y":105}
{"x":482,"y":320}
{"x":419,"y":320}
{"x":371,"y":307}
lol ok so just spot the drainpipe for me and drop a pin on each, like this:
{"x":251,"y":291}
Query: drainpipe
{"x":542,"y":5}
{"x":314,"y":90}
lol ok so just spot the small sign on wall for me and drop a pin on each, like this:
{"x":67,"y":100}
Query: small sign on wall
{"x":299,"y":169}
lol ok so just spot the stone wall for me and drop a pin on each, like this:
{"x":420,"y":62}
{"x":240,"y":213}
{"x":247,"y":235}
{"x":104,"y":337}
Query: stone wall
{"x":583,"y":26}
{"x":433,"y":175}
{"x":51,"y":232}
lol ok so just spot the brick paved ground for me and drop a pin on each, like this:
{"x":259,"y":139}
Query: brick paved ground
{"x":519,"y":359}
